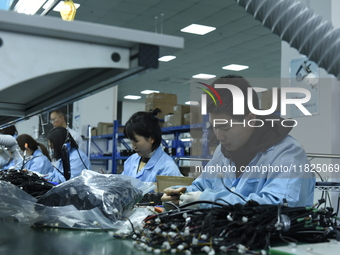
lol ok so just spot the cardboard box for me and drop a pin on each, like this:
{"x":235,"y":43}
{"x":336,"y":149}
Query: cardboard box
{"x":195,"y":114}
{"x":165,"y":108}
{"x":102,"y":128}
{"x":187,"y":117}
{"x":169,"y":120}
{"x":165,"y":102}
{"x":179,"y":111}
{"x":196,"y":147}
{"x":161,"y":98}
{"x":93,"y":131}
{"x":164,"y":181}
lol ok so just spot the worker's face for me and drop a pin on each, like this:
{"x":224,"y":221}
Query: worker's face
{"x":234,"y":136}
{"x":57,"y":120}
{"x":142,"y":145}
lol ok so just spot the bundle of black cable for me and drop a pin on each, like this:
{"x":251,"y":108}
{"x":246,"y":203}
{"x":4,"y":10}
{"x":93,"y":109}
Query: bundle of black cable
{"x":27,"y":181}
{"x":242,"y":228}
{"x":150,"y":199}
{"x":111,"y":194}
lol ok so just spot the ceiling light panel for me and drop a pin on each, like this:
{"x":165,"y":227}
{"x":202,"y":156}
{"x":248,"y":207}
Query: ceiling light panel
{"x":166,"y":58}
{"x":28,"y":7}
{"x":198,"y":29}
{"x":235,"y":67}
{"x":148,"y":91}
{"x":132,"y":97}
{"x":204,"y":76}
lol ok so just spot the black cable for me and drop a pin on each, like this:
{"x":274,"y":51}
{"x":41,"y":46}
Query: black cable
{"x":229,"y":226}
{"x":58,"y":170}
{"x":24,"y":163}
{"x":232,"y":191}
{"x":86,"y":167}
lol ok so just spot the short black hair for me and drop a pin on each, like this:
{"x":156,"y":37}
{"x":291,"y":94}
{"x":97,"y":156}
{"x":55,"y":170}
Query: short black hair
{"x":144,"y":124}
{"x":10,"y":130}
{"x":227,"y":97}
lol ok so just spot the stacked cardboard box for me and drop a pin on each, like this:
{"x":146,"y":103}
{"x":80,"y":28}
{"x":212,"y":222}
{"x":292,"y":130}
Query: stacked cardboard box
{"x":102,"y":128}
{"x":165,"y":102}
{"x":179,"y":111}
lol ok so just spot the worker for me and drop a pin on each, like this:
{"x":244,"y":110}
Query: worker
{"x":242,"y":164}
{"x":78,"y":161}
{"x":10,"y":130}
{"x":58,"y":119}
{"x":150,"y":160}
{"x":35,"y":159}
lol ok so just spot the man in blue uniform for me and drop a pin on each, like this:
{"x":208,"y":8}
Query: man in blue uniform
{"x":255,"y":160}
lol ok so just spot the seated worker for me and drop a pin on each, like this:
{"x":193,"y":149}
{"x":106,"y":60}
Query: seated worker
{"x":149,"y":160}
{"x":10,"y":130}
{"x":58,"y":119}
{"x":35,"y":159}
{"x":243,"y":147}
{"x":78,"y":161}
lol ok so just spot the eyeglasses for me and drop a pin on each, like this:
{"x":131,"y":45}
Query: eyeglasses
{"x":53,"y":120}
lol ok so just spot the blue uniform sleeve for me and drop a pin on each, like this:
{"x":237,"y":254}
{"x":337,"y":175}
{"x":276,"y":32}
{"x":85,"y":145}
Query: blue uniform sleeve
{"x":296,"y":187}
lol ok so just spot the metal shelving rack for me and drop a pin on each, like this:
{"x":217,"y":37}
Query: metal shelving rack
{"x":118,"y":138}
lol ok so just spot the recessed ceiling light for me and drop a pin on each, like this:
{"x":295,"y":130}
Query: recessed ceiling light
{"x":132,"y":97}
{"x":148,"y":91}
{"x":192,"y":102}
{"x":204,"y":76}
{"x":28,"y":7}
{"x":198,"y":29}
{"x":166,"y":58}
{"x":259,"y":89}
{"x":234,"y":67}
{"x":59,"y":6}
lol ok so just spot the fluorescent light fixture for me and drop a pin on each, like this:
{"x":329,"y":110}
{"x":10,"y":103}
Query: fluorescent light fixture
{"x":148,"y":91}
{"x":58,"y":7}
{"x":204,"y":76}
{"x":132,"y":97}
{"x":192,"y":102}
{"x":259,"y":89}
{"x":235,"y":67}
{"x":198,"y":29}
{"x":28,"y":7}
{"x":166,"y":58}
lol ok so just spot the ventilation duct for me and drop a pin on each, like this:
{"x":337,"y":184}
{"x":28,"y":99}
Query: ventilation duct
{"x":304,"y":30}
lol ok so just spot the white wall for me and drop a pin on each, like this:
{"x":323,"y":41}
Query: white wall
{"x":100,"y":107}
{"x":130,"y":108}
{"x":319,"y":133}
{"x":29,"y":126}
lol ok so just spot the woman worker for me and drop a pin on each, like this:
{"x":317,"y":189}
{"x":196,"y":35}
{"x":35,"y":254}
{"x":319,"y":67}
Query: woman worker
{"x":76,"y":161}
{"x":35,"y":159}
{"x":149,"y":160}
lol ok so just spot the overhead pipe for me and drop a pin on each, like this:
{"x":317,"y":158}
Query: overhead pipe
{"x":304,"y":30}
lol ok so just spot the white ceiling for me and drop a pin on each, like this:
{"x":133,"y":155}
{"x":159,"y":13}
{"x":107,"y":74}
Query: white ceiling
{"x":238,"y":39}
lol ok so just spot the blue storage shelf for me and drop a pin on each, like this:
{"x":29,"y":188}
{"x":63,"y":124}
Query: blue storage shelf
{"x":119,"y":138}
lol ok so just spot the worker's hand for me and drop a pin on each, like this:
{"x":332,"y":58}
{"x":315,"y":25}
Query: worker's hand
{"x":190,"y":197}
{"x":172,"y":195}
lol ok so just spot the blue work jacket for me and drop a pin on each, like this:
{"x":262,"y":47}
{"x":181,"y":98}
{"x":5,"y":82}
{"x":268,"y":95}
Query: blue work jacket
{"x":39,"y":163}
{"x":76,"y":165}
{"x":160,"y":163}
{"x":281,"y":172}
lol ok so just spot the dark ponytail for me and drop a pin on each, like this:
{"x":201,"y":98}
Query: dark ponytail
{"x":144,"y":124}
